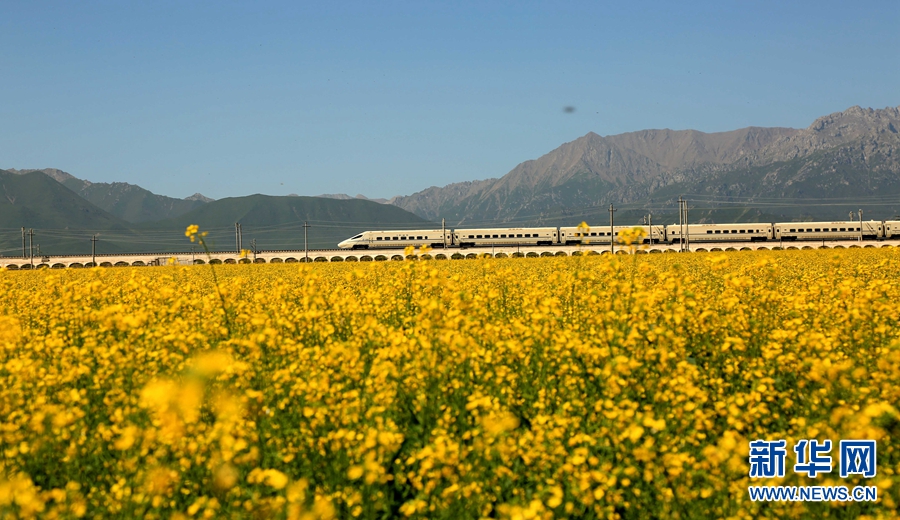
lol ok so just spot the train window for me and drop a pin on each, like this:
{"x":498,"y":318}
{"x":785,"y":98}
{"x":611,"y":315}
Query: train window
{"x":377,"y":238}
{"x":519,"y":235}
{"x":495,"y":236}
{"x":709,"y":232}
{"x":817,"y":229}
{"x":479,"y":236}
{"x":845,"y":229}
{"x":617,"y":233}
{"x":502,"y":236}
{"x":471,"y":236}
{"x":717,"y":231}
{"x":742,"y":231}
{"x":793,"y":231}
{"x":419,"y":238}
{"x":593,"y":234}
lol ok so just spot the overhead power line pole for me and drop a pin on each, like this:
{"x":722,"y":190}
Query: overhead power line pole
{"x":444,"y":232}
{"x":237,"y":243}
{"x":687,"y":228}
{"x":860,"y":226}
{"x":612,"y":230}
{"x":94,"y":251}
{"x":25,"y":254}
{"x":31,"y":245}
{"x":305,"y":241}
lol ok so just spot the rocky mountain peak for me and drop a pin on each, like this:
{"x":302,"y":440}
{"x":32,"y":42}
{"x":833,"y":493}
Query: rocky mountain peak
{"x":857,"y":121}
{"x":200,"y":197}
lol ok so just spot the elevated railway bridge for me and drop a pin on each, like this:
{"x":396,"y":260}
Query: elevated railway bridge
{"x":347,"y":255}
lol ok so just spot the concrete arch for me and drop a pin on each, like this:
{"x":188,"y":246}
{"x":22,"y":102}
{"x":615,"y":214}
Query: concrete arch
{"x":793,"y":247}
{"x":76,"y":265}
{"x":776,"y":248}
{"x":138,"y":263}
{"x":412,"y":257}
{"x":823,"y":247}
{"x":42,"y":266}
{"x":351,"y":259}
{"x":290,"y":260}
{"x":440,"y":256}
{"x":397,"y":258}
{"x":120,"y":264}
{"x":532,"y":254}
{"x":106,"y":264}
{"x":218,"y":261}
{"x":456,"y":256}
{"x":365,"y":258}
{"x":230,"y":261}
{"x":518,"y":254}
{"x":59,"y":266}
{"x":546,"y":254}
{"x":839,"y":247}
{"x":701,"y":250}
{"x":471,"y":256}
{"x":380,"y":258}
{"x":807,"y":247}
{"x":320,"y":259}
{"x":244,"y":261}
{"x":652,"y":252}
{"x":561,"y":253}
{"x":276,"y":260}
{"x":259,"y":261}
{"x":746,"y":249}
{"x":621,"y":252}
{"x":13,"y":267}
{"x":337,"y":259}
{"x":716,"y":250}
{"x":730,"y":249}
{"x":199,"y":262}
{"x":869,"y":245}
{"x":854,"y":246}
{"x":640,"y":252}
{"x":886,"y":245}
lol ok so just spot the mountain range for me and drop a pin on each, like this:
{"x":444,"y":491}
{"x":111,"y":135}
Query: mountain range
{"x":841,"y":162}
{"x":747,"y":174}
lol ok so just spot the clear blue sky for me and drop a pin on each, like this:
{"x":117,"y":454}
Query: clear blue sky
{"x":387,"y":98}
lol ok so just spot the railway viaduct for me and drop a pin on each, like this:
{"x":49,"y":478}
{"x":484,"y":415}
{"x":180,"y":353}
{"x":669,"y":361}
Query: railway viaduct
{"x":346,"y":255}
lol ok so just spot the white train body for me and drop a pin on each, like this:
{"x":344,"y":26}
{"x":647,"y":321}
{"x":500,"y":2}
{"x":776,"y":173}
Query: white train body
{"x":745,"y":232}
{"x":602,"y":234}
{"x":506,"y":236}
{"x":402,"y":238}
{"x":829,"y":230}
{"x":696,"y":233}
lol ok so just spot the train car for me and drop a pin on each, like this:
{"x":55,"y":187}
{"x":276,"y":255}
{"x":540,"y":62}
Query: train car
{"x":891,"y":229}
{"x":601,"y":234}
{"x":853,"y":230}
{"x":743,"y":232}
{"x":398,"y":239}
{"x":506,"y":237}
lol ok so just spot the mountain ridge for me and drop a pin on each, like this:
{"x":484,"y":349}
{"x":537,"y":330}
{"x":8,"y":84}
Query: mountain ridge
{"x":593,"y":171}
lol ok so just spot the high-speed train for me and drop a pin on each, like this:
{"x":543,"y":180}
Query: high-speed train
{"x":670,"y":234}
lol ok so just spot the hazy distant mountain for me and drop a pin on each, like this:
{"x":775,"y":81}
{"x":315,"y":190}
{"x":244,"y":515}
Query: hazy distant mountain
{"x":277,"y":222}
{"x":855,"y":153}
{"x":344,"y":196}
{"x":126,"y":201}
{"x":63,"y":221}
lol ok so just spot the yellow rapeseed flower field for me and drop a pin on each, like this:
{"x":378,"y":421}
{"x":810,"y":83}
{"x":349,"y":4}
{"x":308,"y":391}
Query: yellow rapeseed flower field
{"x":582,"y":387}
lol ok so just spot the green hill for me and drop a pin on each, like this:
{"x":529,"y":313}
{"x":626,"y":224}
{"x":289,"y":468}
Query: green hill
{"x":277,"y":222}
{"x":63,"y":221}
